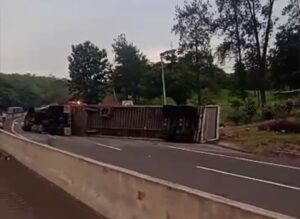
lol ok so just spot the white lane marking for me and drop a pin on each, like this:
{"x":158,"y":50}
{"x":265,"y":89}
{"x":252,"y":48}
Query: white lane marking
{"x":108,"y":146}
{"x":100,"y":144}
{"x":236,"y":158}
{"x":250,"y":178}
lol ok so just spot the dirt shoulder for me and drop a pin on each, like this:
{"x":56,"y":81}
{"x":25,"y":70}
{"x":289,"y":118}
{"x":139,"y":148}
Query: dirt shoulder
{"x":251,"y":140}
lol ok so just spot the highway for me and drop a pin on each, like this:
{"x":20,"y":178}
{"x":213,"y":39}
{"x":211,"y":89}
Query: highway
{"x":269,"y":183}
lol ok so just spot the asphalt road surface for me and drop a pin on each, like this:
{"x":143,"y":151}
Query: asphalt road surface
{"x":269,"y":183}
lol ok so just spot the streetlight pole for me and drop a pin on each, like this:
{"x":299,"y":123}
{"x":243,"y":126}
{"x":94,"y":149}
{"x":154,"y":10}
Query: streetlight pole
{"x":162,"y":56}
{"x":163,"y":80}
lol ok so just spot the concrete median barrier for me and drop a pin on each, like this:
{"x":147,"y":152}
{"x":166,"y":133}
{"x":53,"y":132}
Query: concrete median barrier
{"x":122,"y":194}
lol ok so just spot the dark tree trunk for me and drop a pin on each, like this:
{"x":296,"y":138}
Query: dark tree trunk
{"x":258,"y":98}
{"x":199,"y":88}
{"x":265,"y":51}
{"x":263,"y":97}
{"x":261,"y":55}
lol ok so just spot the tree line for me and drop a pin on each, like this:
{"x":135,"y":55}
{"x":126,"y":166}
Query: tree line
{"x":30,"y":90}
{"x":265,"y":56}
{"x":245,"y":27}
{"x":134,"y":77}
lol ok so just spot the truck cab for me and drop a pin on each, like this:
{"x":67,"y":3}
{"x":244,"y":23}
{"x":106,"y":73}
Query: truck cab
{"x":52,"y":119}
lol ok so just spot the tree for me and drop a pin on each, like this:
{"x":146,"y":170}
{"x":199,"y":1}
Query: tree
{"x":258,"y":27}
{"x":131,"y":64}
{"x":284,"y":58}
{"x":229,"y":23}
{"x":179,"y":81}
{"x":248,"y":25}
{"x":151,"y":83}
{"x":194,"y":27}
{"x":89,"y":72}
{"x":293,"y":12}
{"x":31,"y":91}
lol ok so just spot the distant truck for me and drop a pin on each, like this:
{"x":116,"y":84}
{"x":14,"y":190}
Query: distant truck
{"x":52,"y":119}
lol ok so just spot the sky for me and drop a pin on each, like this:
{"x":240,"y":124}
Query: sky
{"x":36,"y":35}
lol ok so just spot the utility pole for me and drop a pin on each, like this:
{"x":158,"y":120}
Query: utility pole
{"x":163,"y":55}
{"x":163,"y":79}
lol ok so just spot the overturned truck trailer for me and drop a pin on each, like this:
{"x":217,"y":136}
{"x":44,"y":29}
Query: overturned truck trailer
{"x":173,"y":123}
{"x":52,"y":119}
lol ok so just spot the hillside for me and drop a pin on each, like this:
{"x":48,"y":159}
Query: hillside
{"x":31,"y":90}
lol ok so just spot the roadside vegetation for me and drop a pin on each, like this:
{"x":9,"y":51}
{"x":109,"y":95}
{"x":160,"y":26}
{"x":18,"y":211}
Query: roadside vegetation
{"x":31,"y":90}
{"x":268,"y":143}
{"x":263,"y":49}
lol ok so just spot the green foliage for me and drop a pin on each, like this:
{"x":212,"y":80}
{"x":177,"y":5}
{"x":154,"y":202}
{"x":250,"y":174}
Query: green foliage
{"x":131,"y":66}
{"x":289,"y":106}
{"x":191,"y":75}
{"x":30,"y":90}
{"x":89,"y":72}
{"x":292,"y":10}
{"x":278,"y":110}
{"x":178,"y":83}
{"x":283,"y":109}
{"x":193,"y":25}
{"x":285,"y":58}
{"x":249,"y":109}
{"x":181,"y":81}
{"x":246,"y":27}
{"x":242,"y":111}
{"x":209,"y":97}
{"x":236,"y":116}
{"x":268,"y":113}
{"x":159,"y":101}
{"x":229,"y":23}
{"x":151,"y":82}
{"x":194,"y":28}
{"x":236,"y":103}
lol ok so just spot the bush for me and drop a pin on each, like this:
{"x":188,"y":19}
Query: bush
{"x":236,"y":116}
{"x":283,"y":110}
{"x":280,"y":110}
{"x":242,"y":111}
{"x":236,"y":104}
{"x":268,"y":113}
{"x":277,"y":111}
{"x":249,"y":109}
{"x":159,"y":101}
{"x":289,"y":105}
